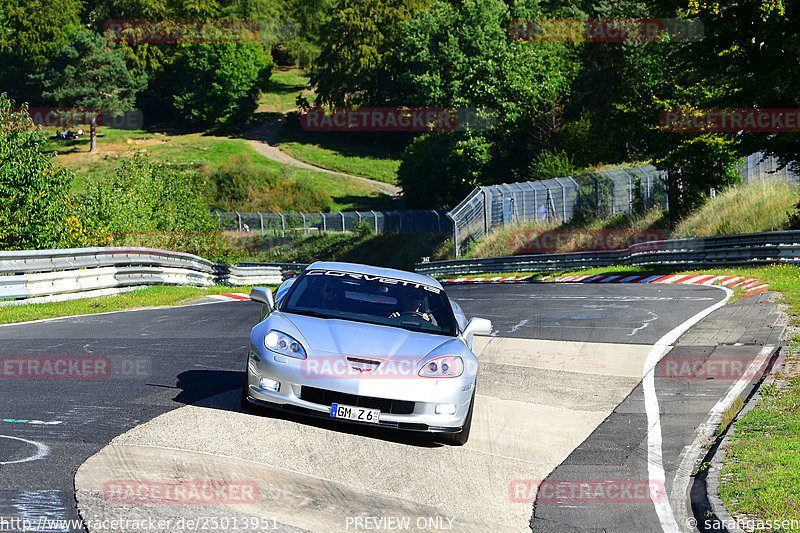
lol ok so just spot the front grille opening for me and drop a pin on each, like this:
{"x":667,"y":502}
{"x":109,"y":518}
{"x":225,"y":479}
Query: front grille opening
{"x":328,"y":397}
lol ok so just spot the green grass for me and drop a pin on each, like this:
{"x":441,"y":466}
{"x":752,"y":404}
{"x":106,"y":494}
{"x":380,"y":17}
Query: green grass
{"x":760,"y":478}
{"x":285,"y":85}
{"x":765,"y":206}
{"x":197,"y":151}
{"x":514,"y":239}
{"x":156,"y":296}
{"x":357,"y":154}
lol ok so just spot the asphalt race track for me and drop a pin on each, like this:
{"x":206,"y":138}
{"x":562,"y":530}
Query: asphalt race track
{"x":561,"y":400}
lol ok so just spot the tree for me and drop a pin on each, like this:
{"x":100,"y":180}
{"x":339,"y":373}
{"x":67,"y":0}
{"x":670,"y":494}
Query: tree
{"x":226,"y":80}
{"x":35,"y":206}
{"x":459,"y":54}
{"x":89,"y":74}
{"x":354,"y":67}
{"x":30,"y":33}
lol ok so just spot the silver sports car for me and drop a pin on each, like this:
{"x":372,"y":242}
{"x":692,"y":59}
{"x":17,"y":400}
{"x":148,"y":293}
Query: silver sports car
{"x":366,"y":345}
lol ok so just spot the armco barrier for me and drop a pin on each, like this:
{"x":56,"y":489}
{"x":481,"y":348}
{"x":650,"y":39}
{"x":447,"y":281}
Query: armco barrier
{"x":752,"y":249}
{"x":85,"y":271}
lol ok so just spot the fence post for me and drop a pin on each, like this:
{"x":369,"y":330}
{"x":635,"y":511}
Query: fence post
{"x":283,"y":225}
{"x":577,"y":193}
{"x":375,"y":218}
{"x":596,"y":195}
{"x":239,"y":216}
{"x":456,"y":247}
{"x":630,"y":190}
{"x":324,"y":224}
{"x":219,"y":219}
{"x":438,"y":221}
{"x":613,"y":193}
{"x":341,"y":214}
{"x":305,"y":231}
{"x":563,"y":201}
{"x":261,"y":218}
{"x":485,"y":213}
{"x":522,"y":191}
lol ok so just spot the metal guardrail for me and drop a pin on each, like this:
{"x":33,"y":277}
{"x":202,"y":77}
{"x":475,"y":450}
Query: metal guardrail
{"x":752,"y":249}
{"x":86,"y":272}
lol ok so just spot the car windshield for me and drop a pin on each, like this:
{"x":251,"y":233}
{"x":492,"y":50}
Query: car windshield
{"x":372,"y":299}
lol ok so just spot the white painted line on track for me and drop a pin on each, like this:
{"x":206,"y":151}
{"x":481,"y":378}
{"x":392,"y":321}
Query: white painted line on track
{"x":655,"y":462}
{"x":706,"y":429}
{"x":42,"y":450}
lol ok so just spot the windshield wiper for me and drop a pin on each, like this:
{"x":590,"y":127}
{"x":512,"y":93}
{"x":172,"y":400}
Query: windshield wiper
{"x":315,"y":314}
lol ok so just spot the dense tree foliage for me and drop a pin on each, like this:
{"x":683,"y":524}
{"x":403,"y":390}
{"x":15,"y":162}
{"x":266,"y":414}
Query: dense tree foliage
{"x":88,"y":74}
{"x":31,"y":32}
{"x":546,"y":106}
{"x":35,"y":206}
{"x":219,"y":83}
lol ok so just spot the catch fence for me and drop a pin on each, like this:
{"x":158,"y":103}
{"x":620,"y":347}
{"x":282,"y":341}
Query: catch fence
{"x":304,"y":224}
{"x":556,"y":201}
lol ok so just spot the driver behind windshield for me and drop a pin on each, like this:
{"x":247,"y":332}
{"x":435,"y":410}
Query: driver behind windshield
{"x":410,"y":302}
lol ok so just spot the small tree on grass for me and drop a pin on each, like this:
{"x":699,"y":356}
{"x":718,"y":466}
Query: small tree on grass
{"x":89,"y":74}
{"x":35,"y":206}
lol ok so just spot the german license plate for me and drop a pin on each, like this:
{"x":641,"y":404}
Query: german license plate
{"x":361,"y":414}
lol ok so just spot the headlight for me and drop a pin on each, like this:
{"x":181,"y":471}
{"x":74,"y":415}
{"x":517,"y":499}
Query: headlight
{"x":448,"y":366}
{"x":284,"y":344}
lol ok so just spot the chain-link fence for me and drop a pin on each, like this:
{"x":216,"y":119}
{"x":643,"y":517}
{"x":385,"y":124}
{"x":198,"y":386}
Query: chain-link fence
{"x":558,"y":200}
{"x":303,"y":224}
{"x":758,"y":167}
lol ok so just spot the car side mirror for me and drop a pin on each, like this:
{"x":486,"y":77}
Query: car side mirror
{"x":264,"y":296}
{"x":476,"y":325}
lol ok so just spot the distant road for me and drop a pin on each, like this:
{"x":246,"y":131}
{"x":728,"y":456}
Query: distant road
{"x":262,"y":139}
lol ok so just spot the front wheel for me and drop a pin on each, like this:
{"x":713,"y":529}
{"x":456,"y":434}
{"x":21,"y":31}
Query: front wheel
{"x":460,"y":438}
{"x":243,"y":401}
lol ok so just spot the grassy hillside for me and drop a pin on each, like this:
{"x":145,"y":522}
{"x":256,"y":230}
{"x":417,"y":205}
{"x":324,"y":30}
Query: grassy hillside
{"x":286,"y":84}
{"x":209,"y":152}
{"x":357,"y":154}
{"x":767,"y":206}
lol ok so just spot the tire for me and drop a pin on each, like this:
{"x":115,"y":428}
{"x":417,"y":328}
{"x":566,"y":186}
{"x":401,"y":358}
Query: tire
{"x":243,"y":401}
{"x":460,"y":438}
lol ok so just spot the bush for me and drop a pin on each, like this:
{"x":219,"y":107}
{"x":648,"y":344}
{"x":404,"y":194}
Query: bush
{"x":239,"y":185}
{"x":362,"y":229}
{"x":548,"y":165}
{"x":146,"y":196}
{"x":36,"y":210}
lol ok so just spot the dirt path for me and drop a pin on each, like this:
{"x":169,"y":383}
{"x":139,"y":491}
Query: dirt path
{"x":262,"y":139}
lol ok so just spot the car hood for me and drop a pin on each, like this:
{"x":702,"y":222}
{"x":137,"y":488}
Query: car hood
{"x":333,"y":336}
